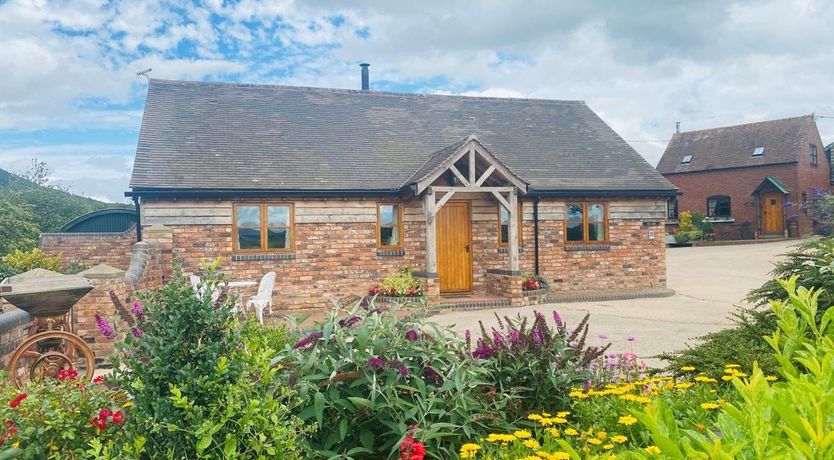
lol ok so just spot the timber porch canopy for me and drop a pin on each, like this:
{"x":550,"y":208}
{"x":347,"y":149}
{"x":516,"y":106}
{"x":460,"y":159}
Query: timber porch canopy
{"x":467,"y":166}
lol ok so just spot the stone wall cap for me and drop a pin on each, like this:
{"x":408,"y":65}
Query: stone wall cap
{"x":102,"y":271}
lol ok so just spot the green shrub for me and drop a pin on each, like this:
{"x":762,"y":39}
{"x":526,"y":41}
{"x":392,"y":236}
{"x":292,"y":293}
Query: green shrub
{"x":683,"y":237}
{"x":402,"y":283}
{"x":685,"y":221}
{"x":23,"y":261}
{"x":58,"y":418}
{"x":18,"y":227}
{"x":740,"y":344}
{"x":368,"y":376}
{"x":792,"y":418}
{"x":200,"y":391}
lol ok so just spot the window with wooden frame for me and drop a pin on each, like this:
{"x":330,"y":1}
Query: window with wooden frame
{"x":812,"y":151}
{"x":264,"y":227}
{"x":718,"y":206}
{"x":586,"y":222}
{"x":389,"y":225}
{"x":504,"y":225}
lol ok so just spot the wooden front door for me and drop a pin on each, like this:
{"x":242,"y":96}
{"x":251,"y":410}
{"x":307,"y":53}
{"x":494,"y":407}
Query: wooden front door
{"x":454,"y":247}
{"x":773,"y":222}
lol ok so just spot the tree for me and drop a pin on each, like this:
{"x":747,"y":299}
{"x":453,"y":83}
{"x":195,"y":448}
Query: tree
{"x":18,"y":227}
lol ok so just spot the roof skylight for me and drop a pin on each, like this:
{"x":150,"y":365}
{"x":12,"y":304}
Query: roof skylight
{"x":686,"y":159}
{"x":758,"y":151}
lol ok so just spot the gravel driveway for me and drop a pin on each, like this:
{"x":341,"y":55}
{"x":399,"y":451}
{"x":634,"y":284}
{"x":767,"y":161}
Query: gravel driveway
{"x":708,"y":281}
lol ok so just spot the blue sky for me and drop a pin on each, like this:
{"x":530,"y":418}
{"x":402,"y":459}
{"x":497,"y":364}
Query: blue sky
{"x":70,"y":95}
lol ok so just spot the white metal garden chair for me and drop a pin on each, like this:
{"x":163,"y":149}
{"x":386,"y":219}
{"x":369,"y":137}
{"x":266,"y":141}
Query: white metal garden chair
{"x":264,"y":296}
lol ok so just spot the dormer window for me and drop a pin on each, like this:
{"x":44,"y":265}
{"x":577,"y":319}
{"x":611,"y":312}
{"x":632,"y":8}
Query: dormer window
{"x":758,"y":151}
{"x":686,"y":159}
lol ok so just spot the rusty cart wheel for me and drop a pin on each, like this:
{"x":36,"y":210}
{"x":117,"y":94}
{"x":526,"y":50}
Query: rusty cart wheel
{"x":45,"y":354}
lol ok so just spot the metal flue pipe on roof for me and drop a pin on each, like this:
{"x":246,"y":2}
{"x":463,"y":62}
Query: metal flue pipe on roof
{"x":366,"y":84}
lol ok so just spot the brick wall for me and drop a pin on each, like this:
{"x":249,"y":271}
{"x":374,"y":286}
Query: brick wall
{"x":811,"y":177}
{"x":333,"y":261}
{"x":90,"y":249}
{"x":14,"y":328}
{"x":738,"y":184}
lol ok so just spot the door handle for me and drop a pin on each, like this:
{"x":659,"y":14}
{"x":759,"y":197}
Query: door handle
{"x":466,"y":248}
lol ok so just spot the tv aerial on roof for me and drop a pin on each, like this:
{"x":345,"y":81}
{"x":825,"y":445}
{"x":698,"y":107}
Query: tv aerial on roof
{"x":144,"y":73}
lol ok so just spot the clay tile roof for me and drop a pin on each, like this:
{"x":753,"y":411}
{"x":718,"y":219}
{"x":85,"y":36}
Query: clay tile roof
{"x":732,"y":146}
{"x":199,"y":135}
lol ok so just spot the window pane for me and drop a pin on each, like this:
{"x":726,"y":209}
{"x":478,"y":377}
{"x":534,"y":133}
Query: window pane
{"x":596,"y":212}
{"x":279,"y":216}
{"x":389,"y":236}
{"x":248,"y":238}
{"x":278,"y":238}
{"x":505,"y":233}
{"x":505,"y":214}
{"x":575,"y":231}
{"x":575,"y":213}
{"x":388,"y":214}
{"x":596,"y":232}
{"x":248,"y":216}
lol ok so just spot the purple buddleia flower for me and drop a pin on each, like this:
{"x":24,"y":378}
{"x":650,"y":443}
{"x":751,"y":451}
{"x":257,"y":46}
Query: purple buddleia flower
{"x":403,"y":371}
{"x":513,"y":336}
{"x":308,"y":341}
{"x":557,"y":319}
{"x":137,"y":332}
{"x":497,"y":338}
{"x":376,"y":361}
{"x":483,"y":350}
{"x":602,"y":337}
{"x":104,"y":327}
{"x":468,"y":336}
{"x":537,"y":336}
{"x":411,"y":335}
{"x":430,"y":374}
{"x":349,"y":322}
{"x":138,"y":311}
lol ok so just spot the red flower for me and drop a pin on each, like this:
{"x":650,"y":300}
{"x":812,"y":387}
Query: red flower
{"x":99,"y":423}
{"x":67,"y":374}
{"x":99,"y":379}
{"x":16,"y":401}
{"x":117,"y":417}
{"x":411,"y":449}
{"x":374,"y":290}
{"x":104,"y":413}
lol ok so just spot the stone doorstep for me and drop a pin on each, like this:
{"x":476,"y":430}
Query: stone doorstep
{"x":625,"y":294}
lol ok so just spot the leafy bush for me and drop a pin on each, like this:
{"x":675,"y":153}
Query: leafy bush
{"x":787,"y":419}
{"x":400,"y":284}
{"x":739,"y":344}
{"x":370,"y":379}
{"x":23,"y":261}
{"x":534,"y":364}
{"x":198,"y":390}
{"x":685,"y":221}
{"x":812,"y":262}
{"x":59,"y":418}
{"x":18,"y":229}
{"x":683,"y":237}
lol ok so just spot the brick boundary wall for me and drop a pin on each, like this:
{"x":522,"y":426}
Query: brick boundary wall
{"x":90,"y":249}
{"x":14,"y":327}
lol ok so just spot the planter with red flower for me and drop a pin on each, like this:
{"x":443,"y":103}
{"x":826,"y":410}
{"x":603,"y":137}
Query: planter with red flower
{"x":534,"y":286}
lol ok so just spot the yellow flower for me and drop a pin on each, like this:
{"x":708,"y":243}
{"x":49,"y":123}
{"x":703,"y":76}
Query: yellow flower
{"x":771,"y":378}
{"x":534,"y":417}
{"x":705,"y":379}
{"x":563,"y":414}
{"x":602,"y":435}
{"x":546,"y":414}
{"x":619,"y":439}
{"x":595,"y":441}
{"x":709,"y":405}
{"x":726,"y":378}
{"x":684,"y":385}
{"x":608,"y":446}
{"x":558,"y":455}
{"x":532,"y":443}
{"x":688,"y":368}
{"x":16,"y":445}
{"x":578,"y":394}
{"x":627,"y":420}
{"x":127,"y":405}
{"x":653,"y":449}
{"x":553,"y":432}
{"x":571,"y":432}
{"x":530,"y":457}
{"x":523,"y":434}
{"x":731,"y":366}
{"x":469,"y":450}
{"x":497,"y":437}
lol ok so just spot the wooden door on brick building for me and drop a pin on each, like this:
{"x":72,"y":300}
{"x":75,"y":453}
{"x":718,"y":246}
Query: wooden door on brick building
{"x":454,"y":247}
{"x":773,"y":221}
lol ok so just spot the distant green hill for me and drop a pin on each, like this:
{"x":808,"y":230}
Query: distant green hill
{"x":28,"y":209}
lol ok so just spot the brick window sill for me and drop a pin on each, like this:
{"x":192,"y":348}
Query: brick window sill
{"x":390,"y":252}
{"x":507,"y":251}
{"x":588,"y":247}
{"x":250,"y":257}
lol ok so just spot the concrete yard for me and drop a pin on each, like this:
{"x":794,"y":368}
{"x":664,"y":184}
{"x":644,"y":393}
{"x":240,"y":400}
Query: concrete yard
{"x":708,"y":281}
